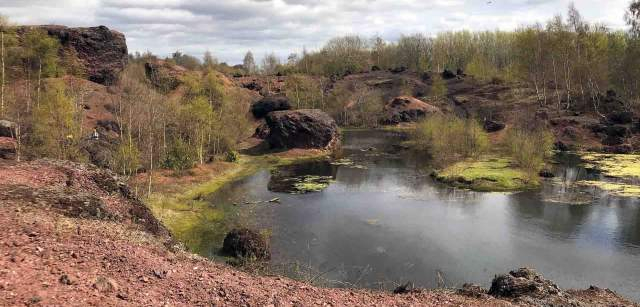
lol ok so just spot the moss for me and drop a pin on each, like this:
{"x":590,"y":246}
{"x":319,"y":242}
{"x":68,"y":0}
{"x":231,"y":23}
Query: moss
{"x":312,"y":184}
{"x":614,"y":165}
{"x":487,"y":174}
{"x":184,"y":212}
{"x":614,"y":188}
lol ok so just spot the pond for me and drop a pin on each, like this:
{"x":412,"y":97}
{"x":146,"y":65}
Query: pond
{"x":376,"y":219}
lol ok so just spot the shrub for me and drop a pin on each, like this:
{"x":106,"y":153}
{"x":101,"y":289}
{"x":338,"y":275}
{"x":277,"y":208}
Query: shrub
{"x":529,"y":148}
{"x":180,"y":157}
{"x":447,"y":137}
{"x":232,"y":156}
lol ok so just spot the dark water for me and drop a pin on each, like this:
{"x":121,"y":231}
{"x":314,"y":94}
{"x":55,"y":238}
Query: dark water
{"x":383,"y":221}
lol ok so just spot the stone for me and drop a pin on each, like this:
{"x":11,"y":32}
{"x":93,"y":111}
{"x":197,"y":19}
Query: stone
{"x":522,"y":282}
{"x":302,"y":129}
{"x":101,"y":52}
{"x":246,"y":244}
{"x":493,"y":126}
{"x":7,"y":129}
{"x":164,"y":75}
{"x":407,"y":109}
{"x":270,"y":104}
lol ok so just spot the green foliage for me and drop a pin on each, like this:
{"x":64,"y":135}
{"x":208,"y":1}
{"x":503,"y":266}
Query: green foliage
{"x":232,"y":156}
{"x":56,"y":129}
{"x":304,"y":92}
{"x":449,"y":138}
{"x":180,"y":156}
{"x":41,"y":52}
{"x":439,"y":87}
{"x":529,"y":148}
{"x":486,"y":174}
{"x":126,"y":159}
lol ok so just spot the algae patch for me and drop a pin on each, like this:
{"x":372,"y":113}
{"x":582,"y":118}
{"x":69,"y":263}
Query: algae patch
{"x":300,"y":184}
{"x":614,"y":165}
{"x":487,"y":174}
{"x":614,"y":188}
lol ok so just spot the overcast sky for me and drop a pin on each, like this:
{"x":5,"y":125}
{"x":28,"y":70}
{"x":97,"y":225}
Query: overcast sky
{"x":228,"y":28}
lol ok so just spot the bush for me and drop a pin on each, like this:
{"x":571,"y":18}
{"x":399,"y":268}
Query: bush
{"x":447,"y":137}
{"x":180,"y":157}
{"x":529,"y":148}
{"x":232,"y":156}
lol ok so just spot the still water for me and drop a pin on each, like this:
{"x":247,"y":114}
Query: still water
{"x":382,"y":221}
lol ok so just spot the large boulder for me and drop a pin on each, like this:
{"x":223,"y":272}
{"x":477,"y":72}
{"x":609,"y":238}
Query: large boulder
{"x":270,"y":104}
{"x":102,"y":52}
{"x":7,"y":129}
{"x":164,"y":75}
{"x":246,"y":244}
{"x":302,"y":129}
{"x":407,"y":109}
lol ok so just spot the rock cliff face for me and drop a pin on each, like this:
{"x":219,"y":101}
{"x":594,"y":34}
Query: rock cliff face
{"x":101,"y":51}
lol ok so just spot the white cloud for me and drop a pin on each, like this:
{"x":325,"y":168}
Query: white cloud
{"x":230,"y":28}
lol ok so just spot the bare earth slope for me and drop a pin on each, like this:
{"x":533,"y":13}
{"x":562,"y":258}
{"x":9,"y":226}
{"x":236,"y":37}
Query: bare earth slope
{"x":73,"y":235}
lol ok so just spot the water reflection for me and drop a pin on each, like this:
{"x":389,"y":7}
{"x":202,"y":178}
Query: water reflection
{"x":388,"y":222}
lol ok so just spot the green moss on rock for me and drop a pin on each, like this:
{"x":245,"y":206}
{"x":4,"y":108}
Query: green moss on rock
{"x":487,"y":174}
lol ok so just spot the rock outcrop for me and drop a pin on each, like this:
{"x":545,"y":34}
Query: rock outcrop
{"x":246,"y":244}
{"x":101,"y":51}
{"x":7,"y":129}
{"x":163,"y":75}
{"x":302,"y":129}
{"x":493,"y":126}
{"x":407,"y":109}
{"x":270,"y":104}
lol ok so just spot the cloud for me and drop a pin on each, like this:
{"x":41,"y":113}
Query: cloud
{"x":229,"y":28}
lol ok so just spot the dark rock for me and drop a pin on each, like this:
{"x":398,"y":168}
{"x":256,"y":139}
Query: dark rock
{"x":460,"y":72}
{"x":407,"y":109}
{"x":596,"y":127}
{"x":262,"y":131}
{"x":65,"y":280}
{"x":620,"y":117}
{"x":493,"y":126}
{"x":163,"y":75}
{"x":545,"y":173}
{"x":612,"y":140}
{"x":109,"y":126}
{"x":247,"y":244}
{"x":403,"y":289}
{"x":302,"y":129}
{"x":397,"y":70}
{"x":375,"y":68}
{"x":561,"y":146}
{"x":447,"y":74}
{"x":617,"y":130}
{"x":253,"y":86}
{"x":7,"y":129}
{"x":522,"y":282}
{"x":270,"y":104}
{"x":618,"y":149}
{"x":102,"y":52}
{"x":100,"y":152}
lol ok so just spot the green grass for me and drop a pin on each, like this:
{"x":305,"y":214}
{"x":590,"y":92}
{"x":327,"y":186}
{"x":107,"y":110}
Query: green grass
{"x":488,"y":174}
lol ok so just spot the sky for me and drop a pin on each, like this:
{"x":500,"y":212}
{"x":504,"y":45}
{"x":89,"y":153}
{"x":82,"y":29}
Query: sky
{"x":228,"y":28}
